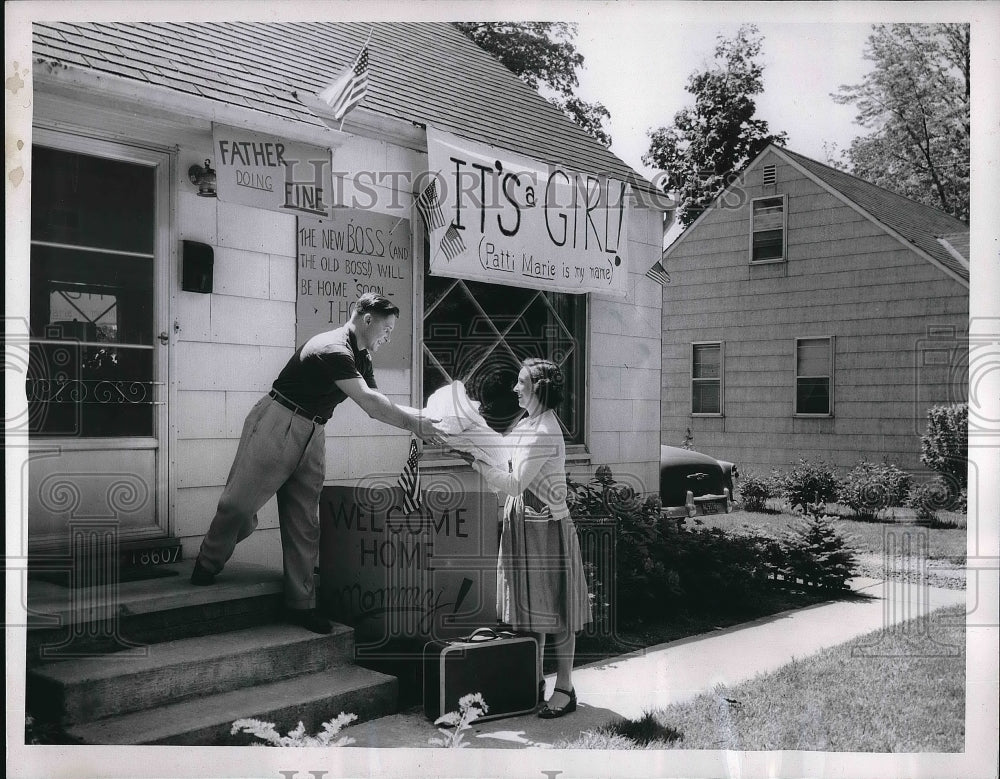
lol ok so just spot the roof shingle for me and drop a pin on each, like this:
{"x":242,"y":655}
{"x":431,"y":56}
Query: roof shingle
{"x":428,"y":73}
{"x":919,"y":224}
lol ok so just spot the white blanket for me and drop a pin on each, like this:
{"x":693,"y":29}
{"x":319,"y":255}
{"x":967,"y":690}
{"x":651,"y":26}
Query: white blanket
{"x":466,"y":428}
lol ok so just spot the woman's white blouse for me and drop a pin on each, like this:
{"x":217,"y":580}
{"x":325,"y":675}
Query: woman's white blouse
{"x":537,"y":462}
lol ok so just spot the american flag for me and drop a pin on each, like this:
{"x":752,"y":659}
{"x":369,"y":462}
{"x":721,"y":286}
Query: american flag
{"x":452,"y":244}
{"x":350,"y":87}
{"x":658,"y":274}
{"x":409,"y":480}
{"x":429,"y":207}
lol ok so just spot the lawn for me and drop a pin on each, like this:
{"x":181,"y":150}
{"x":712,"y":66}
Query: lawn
{"x":909,"y":698}
{"x":945,"y":544}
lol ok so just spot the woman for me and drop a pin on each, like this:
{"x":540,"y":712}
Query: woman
{"x":541,"y":587}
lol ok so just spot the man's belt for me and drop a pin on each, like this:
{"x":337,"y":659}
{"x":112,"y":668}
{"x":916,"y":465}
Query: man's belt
{"x":282,"y":400}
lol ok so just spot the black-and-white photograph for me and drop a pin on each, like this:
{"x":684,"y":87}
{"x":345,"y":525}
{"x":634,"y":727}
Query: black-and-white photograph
{"x":599,"y":389}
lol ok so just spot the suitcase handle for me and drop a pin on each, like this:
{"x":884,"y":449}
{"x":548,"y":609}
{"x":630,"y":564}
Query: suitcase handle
{"x":487,"y":634}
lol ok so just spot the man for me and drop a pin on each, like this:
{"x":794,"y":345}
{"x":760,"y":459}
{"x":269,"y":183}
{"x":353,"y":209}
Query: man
{"x":281,"y":450}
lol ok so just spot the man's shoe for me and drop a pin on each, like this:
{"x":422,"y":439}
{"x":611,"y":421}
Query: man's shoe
{"x":201,"y":575}
{"x":310,"y":619}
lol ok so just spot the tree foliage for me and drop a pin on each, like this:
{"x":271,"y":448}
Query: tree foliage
{"x":915,"y":100}
{"x":709,"y":143}
{"x":544,"y":56}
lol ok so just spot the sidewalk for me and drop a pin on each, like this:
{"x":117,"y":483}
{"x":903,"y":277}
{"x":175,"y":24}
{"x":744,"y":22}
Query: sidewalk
{"x":628,"y":685}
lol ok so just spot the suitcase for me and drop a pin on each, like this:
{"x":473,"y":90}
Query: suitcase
{"x":501,"y":665}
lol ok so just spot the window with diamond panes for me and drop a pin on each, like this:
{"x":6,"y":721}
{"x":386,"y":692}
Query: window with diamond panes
{"x":479,"y":333}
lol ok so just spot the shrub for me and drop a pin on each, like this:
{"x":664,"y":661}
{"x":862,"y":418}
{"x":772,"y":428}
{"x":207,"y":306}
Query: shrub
{"x":810,"y":482}
{"x":945,"y":446}
{"x":936,"y":495}
{"x":664,"y":566}
{"x":871,"y":487}
{"x":816,"y":553}
{"x":755,"y":490}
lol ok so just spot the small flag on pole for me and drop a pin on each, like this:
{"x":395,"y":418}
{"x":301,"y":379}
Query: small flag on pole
{"x":429,"y":207}
{"x":452,"y":244}
{"x":350,"y":87}
{"x":409,"y":480}
{"x":658,"y":274}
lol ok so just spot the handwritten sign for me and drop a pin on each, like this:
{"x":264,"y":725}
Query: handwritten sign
{"x":428,"y":574}
{"x":265,"y":171}
{"x":508,"y":219}
{"x":343,"y":257}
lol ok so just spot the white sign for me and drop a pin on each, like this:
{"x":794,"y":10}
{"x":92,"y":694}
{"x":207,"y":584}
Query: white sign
{"x":265,"y":171}
{"x":343,"y":257}
{"x":503,"y":218}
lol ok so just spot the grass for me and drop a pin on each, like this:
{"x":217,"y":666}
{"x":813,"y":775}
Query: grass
{"x":908,"y":696}
{"x":947,"y":544}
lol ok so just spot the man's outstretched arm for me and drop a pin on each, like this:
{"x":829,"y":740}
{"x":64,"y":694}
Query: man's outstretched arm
{"x":378,"y":406}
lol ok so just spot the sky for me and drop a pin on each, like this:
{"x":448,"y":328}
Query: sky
{"x":638,"y":67}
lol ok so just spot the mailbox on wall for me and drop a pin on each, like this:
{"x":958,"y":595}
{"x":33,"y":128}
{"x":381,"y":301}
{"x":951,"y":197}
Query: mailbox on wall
{"x":197,"y":263}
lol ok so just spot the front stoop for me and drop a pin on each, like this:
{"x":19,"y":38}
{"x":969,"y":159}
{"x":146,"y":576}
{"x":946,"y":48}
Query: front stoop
{"x":311,"y":699}
{"x":188,"y":691}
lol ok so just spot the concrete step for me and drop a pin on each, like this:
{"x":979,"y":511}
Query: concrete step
{"x":66,"y":623}
{"x":312,"y":699}
{"x":93,"y":688}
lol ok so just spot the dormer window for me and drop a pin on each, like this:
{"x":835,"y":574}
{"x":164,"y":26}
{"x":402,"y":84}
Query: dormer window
{"x":767,"y":229}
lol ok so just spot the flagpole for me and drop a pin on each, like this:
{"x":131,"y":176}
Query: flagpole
{"x":413,"y":202}
{"x":371,"y":31}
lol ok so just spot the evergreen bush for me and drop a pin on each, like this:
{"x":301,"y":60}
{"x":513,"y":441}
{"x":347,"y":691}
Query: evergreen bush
{"x":815,"y":553}
{"x":871,"y":487}
{"x":666,"y":565}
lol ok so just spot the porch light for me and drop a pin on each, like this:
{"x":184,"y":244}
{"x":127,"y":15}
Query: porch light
{"x":204,"y":178}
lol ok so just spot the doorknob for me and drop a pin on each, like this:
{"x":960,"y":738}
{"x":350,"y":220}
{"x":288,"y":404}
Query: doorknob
{"x":164,"y":338}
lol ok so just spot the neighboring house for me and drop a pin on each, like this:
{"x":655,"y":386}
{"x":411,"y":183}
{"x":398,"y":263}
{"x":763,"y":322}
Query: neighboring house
{"x":811,"y":314}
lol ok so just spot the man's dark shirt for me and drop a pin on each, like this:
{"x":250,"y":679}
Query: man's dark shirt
{"x":309,"y":377}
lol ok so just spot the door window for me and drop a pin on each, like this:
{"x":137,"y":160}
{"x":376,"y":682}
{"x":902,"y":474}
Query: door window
{"x":92,"y":267}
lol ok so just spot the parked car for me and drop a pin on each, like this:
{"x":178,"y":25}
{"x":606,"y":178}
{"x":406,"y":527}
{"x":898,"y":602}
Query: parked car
{"x":695,"y":483}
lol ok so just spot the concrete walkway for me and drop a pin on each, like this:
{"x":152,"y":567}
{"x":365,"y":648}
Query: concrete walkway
{"x":628,"y":685}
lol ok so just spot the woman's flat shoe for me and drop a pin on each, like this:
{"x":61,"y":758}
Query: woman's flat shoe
{"x":559,"y":711}
{"x":541,"y":691}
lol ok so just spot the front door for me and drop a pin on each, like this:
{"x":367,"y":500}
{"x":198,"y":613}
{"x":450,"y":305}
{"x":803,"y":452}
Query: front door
{"x":97,"y":374}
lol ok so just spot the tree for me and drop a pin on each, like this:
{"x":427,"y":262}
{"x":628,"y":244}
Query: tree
{"x":709,"y":143}
{"x":544,"y":56}
{"x":915,"y":101}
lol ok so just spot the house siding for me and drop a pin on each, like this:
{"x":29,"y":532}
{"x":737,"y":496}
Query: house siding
{"x":885,"y":306}
{"x":227,"y":347}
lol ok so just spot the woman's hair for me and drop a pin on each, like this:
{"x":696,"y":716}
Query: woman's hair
{"x":547,"y":381}
{"x":373,"y":303}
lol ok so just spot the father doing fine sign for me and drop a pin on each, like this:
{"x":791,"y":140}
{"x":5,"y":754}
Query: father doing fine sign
{"x":341,"y":258}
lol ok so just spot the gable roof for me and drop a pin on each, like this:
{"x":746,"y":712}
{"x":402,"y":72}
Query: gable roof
{"x":919,"y":224}
{"x":915,"y":225}
{"x":428,"y":73}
